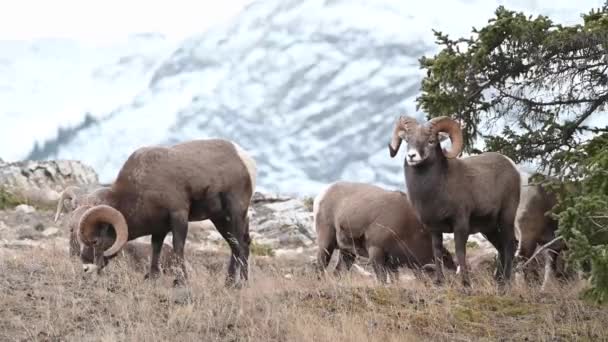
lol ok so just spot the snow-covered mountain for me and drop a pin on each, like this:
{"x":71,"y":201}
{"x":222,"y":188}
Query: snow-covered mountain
{"x":48,"y":83}
{"x":310,"y":87}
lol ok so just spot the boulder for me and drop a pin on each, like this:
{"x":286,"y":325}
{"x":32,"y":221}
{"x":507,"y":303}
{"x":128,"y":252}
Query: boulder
{"x":41,"y":182}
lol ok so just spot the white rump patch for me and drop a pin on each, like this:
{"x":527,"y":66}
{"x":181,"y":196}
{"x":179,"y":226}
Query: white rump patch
{"x":249,"y":164}
{"x":524,"y":194}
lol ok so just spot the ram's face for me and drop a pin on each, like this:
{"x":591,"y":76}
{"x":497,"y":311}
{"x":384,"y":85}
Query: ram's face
{"x":421,"y":145}
{"x":92,"y":257}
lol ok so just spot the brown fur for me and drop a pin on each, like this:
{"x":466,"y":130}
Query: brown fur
{"x":160,"y":189}
{"x":136,"y":252}
{"x":366,"y":220}
{"x":461,"y":196}
{"x":73,"y":197}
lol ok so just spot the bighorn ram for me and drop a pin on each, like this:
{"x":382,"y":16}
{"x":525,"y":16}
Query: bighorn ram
{"x":160,"y":189}
{"x":363,"y":219}
{"x":135,"y":252}
{"x":74,"y":201}
{"x":460,"y":196}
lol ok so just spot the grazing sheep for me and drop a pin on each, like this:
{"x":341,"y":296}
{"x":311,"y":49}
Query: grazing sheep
{"x":363,"y":219}
{"x":73,"y":196}
{"x":536,"y":228}
{"x":160,"y":189}
{"x":461,"y":196}
{"x":136,"y":252}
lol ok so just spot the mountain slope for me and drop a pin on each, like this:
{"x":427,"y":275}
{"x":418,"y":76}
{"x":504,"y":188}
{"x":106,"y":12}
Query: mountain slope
{"x":48,"y":83}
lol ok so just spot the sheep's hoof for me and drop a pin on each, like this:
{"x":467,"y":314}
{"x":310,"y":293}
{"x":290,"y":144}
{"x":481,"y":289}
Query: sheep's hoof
{"x":151,"y":276}
{"x":232,"y":283}
{"x":178,"y":282}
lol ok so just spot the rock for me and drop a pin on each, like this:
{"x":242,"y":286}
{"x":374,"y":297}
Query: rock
{"x":40,"y":182}
{"x":284,"y":223}
{"x":25,"y":209}
{"x":19,"y":244}
{"x":215,"y":236}
{"x":259,"y":197}
{"x":50,"y":231}
{"x":27,"y":233}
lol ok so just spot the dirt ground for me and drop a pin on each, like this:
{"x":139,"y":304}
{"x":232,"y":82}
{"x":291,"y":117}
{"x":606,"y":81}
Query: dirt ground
{"x":44,"y":296}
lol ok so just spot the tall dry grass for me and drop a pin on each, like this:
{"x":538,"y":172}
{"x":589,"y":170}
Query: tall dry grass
{"x":44,"y":297}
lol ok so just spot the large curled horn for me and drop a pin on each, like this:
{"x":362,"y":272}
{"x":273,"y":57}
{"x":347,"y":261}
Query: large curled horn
{"x":67,"y":193}
{"x":452,"y":128}
{"x":103,"y":214}
{"x":402,"y":126}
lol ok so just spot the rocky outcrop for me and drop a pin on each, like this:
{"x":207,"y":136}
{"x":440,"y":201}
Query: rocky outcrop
{"x":278,"y":223}
{"x":40,"y":182}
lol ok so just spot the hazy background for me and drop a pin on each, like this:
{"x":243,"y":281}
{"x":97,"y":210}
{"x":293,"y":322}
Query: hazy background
{"x":310,"y":87}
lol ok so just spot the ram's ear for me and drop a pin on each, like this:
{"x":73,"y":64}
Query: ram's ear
{"x":443,"y":136}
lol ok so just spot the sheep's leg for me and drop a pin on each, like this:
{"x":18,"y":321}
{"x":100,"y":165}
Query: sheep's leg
{"x":327,"y":243}
{"x":393,"y":274}
{"x":234,"y":229}
{"x":526,"y":249}
{"x":548,"y":274}
{"x":225,"y":228}
{"x":495,"y":240}
{"x":179,"y":229}
{"x":509,"y":247}
{"x":437,"y":241}
{"x":245,"y":247}
{"x":509,"y":243}
{"x":377,"y":257}
{"x":157,"y":245}
{"x":461,"y":236}
{"x":345,"y":262}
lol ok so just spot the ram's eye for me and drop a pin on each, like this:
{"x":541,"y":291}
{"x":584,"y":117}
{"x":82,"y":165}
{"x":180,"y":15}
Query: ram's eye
{"x":431,"y":142}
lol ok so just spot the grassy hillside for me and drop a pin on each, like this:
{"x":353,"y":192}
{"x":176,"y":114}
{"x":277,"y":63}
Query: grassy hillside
{"x":45,"y":297}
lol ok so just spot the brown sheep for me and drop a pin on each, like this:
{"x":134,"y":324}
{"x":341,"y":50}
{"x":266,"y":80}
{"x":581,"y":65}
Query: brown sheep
{"x":136,"y":252}
{"x":461,"y":196}
{"x":73,"y":196}
{"x":537,"y":228}
{"x":160,"y":189}
{"x":366,"y":220}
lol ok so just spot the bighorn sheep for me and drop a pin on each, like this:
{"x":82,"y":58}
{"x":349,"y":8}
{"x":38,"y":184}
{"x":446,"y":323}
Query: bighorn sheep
{"x":135,"y":252}
{"x":75,"y":202}
{"x":73,"y":196}
{"x":536,"y":228}
{"x":364,"y":219}
{"x":160,"y":189}
{"x":461,"y":196}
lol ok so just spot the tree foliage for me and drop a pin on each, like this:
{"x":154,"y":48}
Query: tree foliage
{"x":544,"y":82}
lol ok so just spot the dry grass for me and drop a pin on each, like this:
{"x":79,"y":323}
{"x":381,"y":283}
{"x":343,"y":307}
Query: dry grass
{"x":44,"y":297}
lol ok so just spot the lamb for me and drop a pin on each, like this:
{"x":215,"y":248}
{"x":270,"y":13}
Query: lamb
{"x":461,"y":196}
{"x":159,"y":189}
{"x":363,"y":219}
